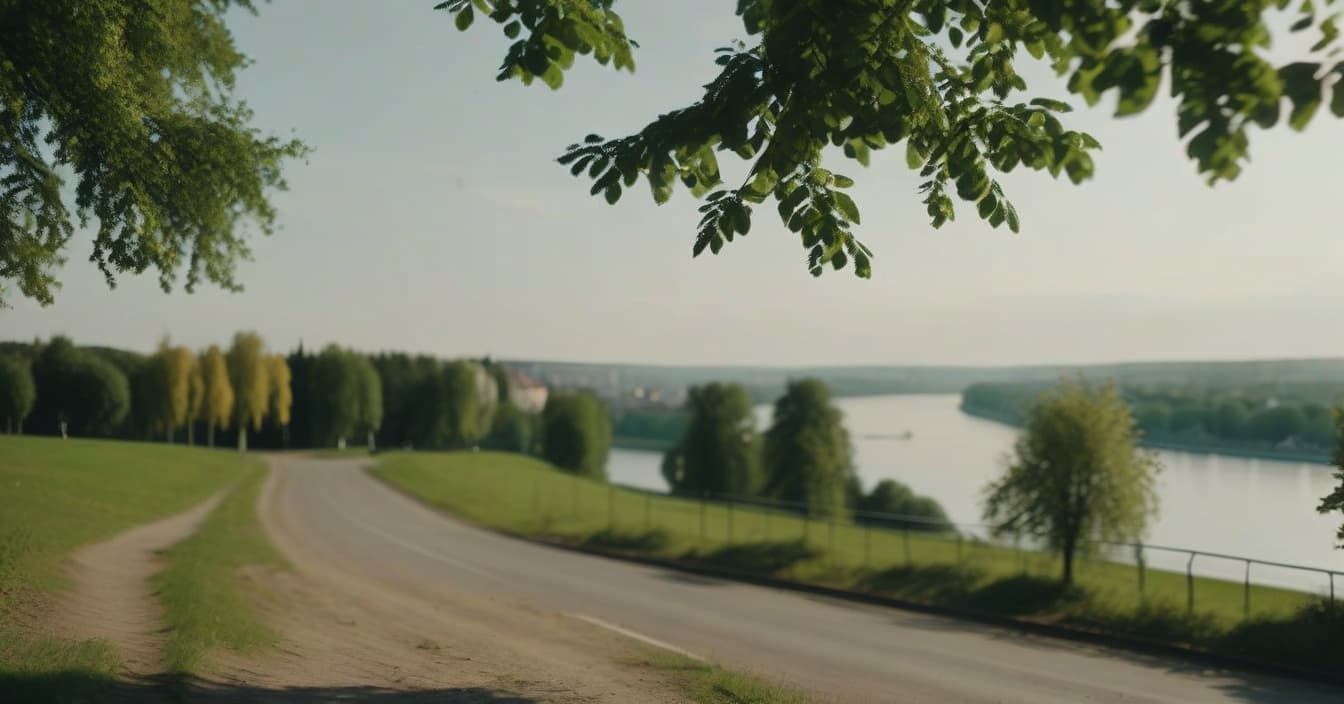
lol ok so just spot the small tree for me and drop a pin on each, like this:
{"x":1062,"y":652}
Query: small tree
{"x":807,"y":450}
{"x":195,"y":398}
{"x":337,"y":403}
{"x":369,"y":417}
{"x":281,"y":393}
{"x":1075,"y":473}
{"x":719,"y":451}
{"x":576,"y":434}
{"x":17,"y":392}
{"x":903,"y":507}
{"x":176,"y":366}
{"x":511,"y":429}
{"x":217,"y":400}
{"x":247,"y":373}
{"x":1334,"y":503}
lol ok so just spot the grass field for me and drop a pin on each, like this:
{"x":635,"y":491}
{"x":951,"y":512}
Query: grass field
{"x":60,"y":494}
{"x":200,"y":589}
{"x":522,"y":495}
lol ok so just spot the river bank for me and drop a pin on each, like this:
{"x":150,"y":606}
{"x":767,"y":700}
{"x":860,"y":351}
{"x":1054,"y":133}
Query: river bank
{"x":1283,"y":455}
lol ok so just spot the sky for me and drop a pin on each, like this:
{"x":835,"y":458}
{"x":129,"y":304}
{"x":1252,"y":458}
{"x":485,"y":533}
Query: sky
{"x":431,"y":217}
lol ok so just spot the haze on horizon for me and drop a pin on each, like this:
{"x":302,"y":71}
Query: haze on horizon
{"x":432,"y":218}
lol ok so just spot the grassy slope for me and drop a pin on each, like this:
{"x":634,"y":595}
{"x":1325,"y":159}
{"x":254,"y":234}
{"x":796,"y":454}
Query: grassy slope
{"x":58,"y":495}
{"x":525,"y":496}
{"x":200,"y":592}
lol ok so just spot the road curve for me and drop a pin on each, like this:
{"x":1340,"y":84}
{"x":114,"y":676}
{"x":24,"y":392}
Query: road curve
{"x":843,"y":652}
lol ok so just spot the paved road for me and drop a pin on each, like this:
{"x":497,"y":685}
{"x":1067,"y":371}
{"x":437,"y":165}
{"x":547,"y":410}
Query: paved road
{"x":851,"y":653}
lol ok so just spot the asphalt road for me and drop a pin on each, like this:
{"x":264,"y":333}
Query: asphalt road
{"x":847,"y":652}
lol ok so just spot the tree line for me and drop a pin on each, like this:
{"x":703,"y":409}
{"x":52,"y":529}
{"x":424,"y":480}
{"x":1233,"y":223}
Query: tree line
{"x":1250,"y":418}
{"x":805,"y":457}
{"x":249,"y":396}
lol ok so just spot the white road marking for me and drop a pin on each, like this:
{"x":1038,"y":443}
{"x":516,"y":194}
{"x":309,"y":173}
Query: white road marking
{"x":411,"y":546}
{"x":637,"y":636}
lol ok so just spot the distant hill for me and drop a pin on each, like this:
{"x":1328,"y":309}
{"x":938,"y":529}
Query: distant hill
{"x":766,"y":382}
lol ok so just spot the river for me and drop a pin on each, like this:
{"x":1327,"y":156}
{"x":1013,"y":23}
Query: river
{"x":1256,"y":508}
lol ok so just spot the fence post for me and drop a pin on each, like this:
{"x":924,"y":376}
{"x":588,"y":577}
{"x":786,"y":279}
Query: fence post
{"x":1246,"y":607}
{"x":1190,"y":583}
{"x":867,"y":545}
{"x":905,"y":538}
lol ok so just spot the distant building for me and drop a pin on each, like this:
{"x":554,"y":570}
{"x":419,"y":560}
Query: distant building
{"x":526,"y":393}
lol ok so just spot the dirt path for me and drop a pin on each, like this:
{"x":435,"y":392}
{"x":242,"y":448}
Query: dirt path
{"x":349,"y":634}
{"x":112,"y":597}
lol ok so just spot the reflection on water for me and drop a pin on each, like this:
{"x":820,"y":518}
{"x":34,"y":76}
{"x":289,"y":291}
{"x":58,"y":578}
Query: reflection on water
{"x":1257,"y":508}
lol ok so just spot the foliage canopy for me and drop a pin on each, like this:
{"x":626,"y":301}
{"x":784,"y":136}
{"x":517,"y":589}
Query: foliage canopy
{"x":134,"y":102}
{"x":576,"y":433}
{"x":807,"y":454}
{"x":1334,"y":502}
{"x":17,"y":392}
{"x":937,"y":76}
{"x":719,"y":451}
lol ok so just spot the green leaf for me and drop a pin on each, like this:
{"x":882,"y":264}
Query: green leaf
{"x":1011,"y":213}
{"x":1049,"y":104}
{"x":613,"y":193}
{"x":988,"y":205}
{"x":512,"y":29}
{"x":846,"y":206}
{"x":791,"y":202}
{"x":1302,"y":88}
{"x":839,"y":261}
{"x":913,"y":158}
{"x":843,"y":181}
{"x":464,"y":18}
{"x":955,"y":35}
{"x":1337,"y":101}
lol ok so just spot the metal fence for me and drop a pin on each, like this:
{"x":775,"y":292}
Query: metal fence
{"x":869,"y":540}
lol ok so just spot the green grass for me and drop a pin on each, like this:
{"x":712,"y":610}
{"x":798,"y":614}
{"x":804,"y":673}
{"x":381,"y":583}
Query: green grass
{"x":200,"y":589}
{"x":527,"y":497}
{"x":58,"y":495}
{"x":710,"y":684}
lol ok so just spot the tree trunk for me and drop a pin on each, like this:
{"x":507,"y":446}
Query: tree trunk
{"x":191,"y":433}
{"x":242,"y":438}
{"x":371,"y":450}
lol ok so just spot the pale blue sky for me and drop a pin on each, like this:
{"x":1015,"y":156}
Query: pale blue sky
{"x":432,"y":218}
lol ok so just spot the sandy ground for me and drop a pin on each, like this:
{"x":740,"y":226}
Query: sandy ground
{"x":348,"y":635}
{"x":111,"y":597}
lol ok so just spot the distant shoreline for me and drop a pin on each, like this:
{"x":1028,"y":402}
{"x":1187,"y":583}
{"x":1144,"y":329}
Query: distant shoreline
{"x":1306,"y":456}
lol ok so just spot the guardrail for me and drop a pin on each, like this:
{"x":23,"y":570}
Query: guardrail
{"x":965,"y":536}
